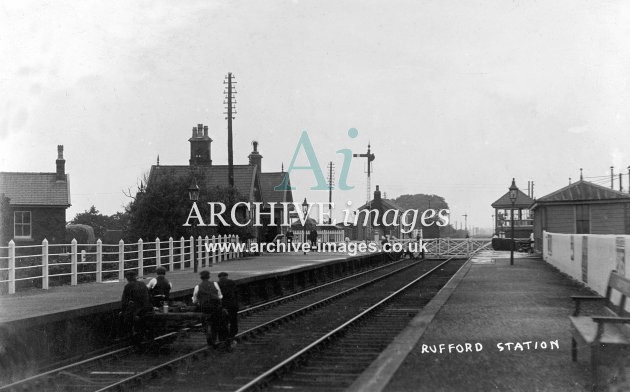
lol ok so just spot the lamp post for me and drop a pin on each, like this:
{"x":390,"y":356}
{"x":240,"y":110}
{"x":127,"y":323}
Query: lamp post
{"x":305,"y":212}
{"x":193,"y":195}
{"x":513,"y":193}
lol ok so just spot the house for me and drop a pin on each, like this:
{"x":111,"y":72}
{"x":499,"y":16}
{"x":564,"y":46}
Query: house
{"x":249,"y":180}
{"x":582,"y":208}
{"x":376,"y":229}
{"x":33,"y":205}
{"x":504,"y":210}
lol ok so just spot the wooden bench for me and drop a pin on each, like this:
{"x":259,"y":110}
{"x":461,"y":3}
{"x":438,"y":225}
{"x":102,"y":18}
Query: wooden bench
{"x":607,"y":335}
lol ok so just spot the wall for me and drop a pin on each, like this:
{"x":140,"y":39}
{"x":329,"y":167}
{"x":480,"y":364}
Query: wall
{"x":610,"y":218}
{"x":560,"y":219}
{"x":46,"y":222}
{"x":588,"y":258}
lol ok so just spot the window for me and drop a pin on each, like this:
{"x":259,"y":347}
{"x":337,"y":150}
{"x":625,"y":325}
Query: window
{"x":582,"y":219}
{"x":22,"y":224}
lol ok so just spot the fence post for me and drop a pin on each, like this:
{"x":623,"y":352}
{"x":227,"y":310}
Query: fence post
{"x":45,"y":264}
{"x":199,"y":259}
{"x":219,"y":254}
{"x":182,"y":253}
{"x":206,"y":262}
{"x":170,"y":254}
{"x":238,"y":250}
{"x":73,"y":263}
{"x":140,"y":258}
{"x":158,"y":255}
{"x":11,"y":267}
{"x":230,"y":242}
{"x":214,"y":249}
{"x":99,"y":261}
{"x":192,"y":251}
{"x":121,"y":260}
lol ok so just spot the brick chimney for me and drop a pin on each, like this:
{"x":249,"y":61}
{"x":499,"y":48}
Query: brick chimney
{"x":255,"y":158}
{"x":200,"y":146}
{"x":61,"y":164}
{"x":377,"y":194}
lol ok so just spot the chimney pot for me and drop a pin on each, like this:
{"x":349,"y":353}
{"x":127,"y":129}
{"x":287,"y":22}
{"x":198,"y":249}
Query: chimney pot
{"x":255,"y":158}
{"x":205,"y":131}
{"x":377,"y":193}
{"x":61,"y":164}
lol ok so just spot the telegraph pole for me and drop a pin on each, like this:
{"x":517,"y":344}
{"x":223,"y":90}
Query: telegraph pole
{"x":465,"y":224}
{"x":230,"y":103}
{"x":331,"y":180}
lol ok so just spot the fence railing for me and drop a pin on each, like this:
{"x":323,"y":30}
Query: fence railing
{"x":322,"y":236}
{"x":46,"y":265}
{"x":448,"y":247}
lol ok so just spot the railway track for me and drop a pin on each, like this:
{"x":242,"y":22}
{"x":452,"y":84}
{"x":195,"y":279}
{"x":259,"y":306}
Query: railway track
{"x":299,"y":349}
{"x":122,"y":368}
{"x":335,"y":360}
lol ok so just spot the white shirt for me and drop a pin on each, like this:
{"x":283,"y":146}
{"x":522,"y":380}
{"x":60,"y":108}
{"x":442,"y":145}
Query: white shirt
{"x":153,"y":282}
{"x":196,"y":292}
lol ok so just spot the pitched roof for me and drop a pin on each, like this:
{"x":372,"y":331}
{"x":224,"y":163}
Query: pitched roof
{"x":35,"y":189}
{"x":522,"y":201}
{"x":583,"y":191}
{"x":387,"y":204}
{"x":268,"y":181}
{"x":215,"y":175}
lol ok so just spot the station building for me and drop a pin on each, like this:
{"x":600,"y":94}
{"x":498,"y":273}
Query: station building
{"x":249,"y":179}
{"x":520,"y":210}
{"x":582,"y":208}
{"x":33,"y":205}
{"x":376,"y":228}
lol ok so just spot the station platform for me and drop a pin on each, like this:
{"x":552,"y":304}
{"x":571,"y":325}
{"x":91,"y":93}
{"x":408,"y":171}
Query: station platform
{"x":38,"y":306}
{"x":488,"y":303}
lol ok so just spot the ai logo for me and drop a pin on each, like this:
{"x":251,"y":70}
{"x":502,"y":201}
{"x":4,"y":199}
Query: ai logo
{"x":305,"y":144}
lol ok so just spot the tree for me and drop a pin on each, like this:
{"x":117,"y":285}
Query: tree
{"x":163,"y":207}
{"x":422,"y":202}
{"x":99,"y":222}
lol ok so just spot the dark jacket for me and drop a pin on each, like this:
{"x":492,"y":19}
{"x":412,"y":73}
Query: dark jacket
{"x":135,"y":297}
{"x":162,"y":288}
{"x":230,"y":295}
{"x":208,"y":297}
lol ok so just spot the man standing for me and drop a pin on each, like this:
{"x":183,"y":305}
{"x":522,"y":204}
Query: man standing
{"x":289,"y":240}
{"x":136,"y":306}
{"x":230,"y":304}
{"x":207,"y":296}
{"x":313,"y":238}
{"x":159,"y":288}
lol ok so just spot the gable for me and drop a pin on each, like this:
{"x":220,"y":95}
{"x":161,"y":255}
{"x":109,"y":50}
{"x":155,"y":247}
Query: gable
{"x":522,"y":201}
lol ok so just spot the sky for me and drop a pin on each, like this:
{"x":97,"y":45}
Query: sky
{"x":456,"y":98}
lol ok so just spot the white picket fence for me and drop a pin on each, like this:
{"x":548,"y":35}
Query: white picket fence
{"x":107,"y":262}
{"x":322,"y":236}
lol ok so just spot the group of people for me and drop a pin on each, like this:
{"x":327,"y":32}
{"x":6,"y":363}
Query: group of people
{"x":217,"y":301}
